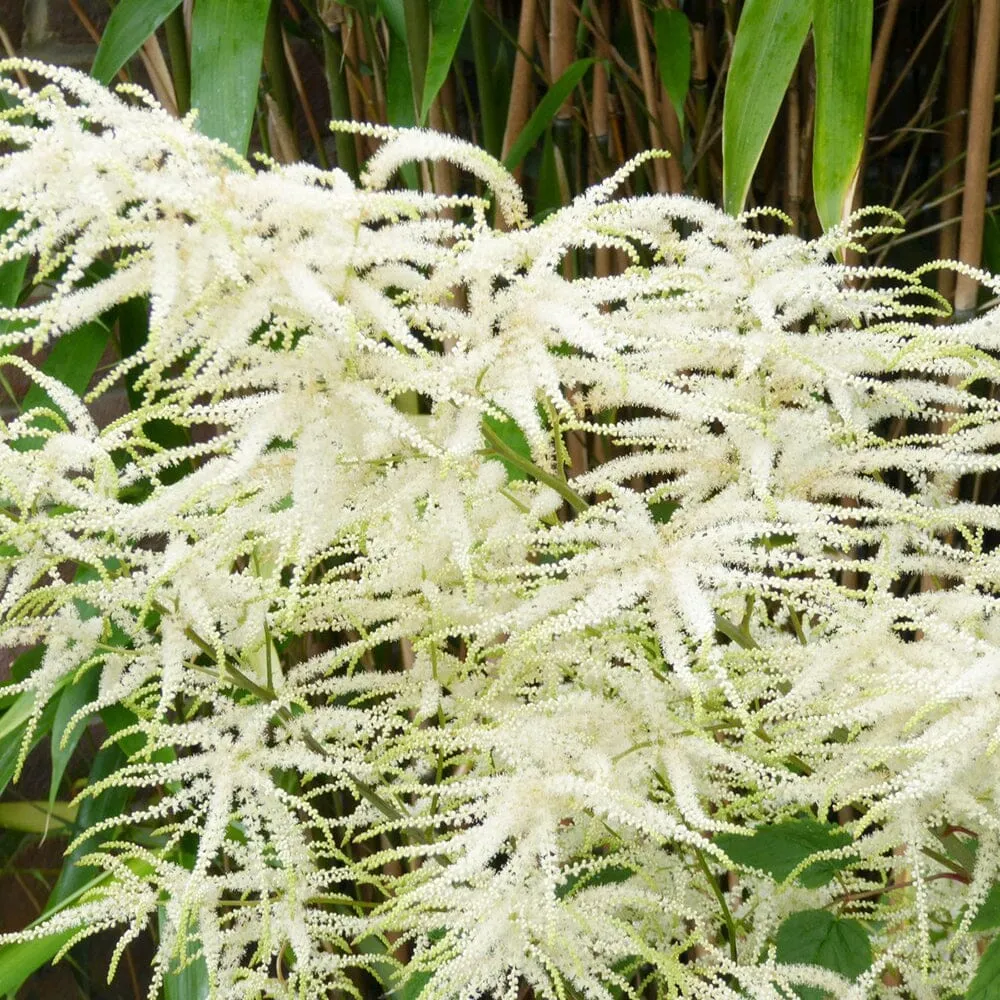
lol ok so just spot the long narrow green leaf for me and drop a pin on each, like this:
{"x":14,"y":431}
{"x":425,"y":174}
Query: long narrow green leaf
{"x":18,"y":961}
{"x":673,"y":56}
{"x":73,"y":360}
{"x":190,"y":980}
{"x":130,"y":24}
{"x":73,"y":698}
{"x":12,"y":272}
{"x":448,"y":19}
{"x":768,"y":42}
{"x":842,"y":34}
{"x":36,"y":817}
{"x":546,"y":111}
{"x":227,"y":47}
{"x":395,"y":14}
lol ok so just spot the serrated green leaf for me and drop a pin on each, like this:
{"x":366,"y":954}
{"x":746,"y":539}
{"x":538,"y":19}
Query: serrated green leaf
{"x":448,"y":19}
{"x":769,"y":39}
{"x":842,"y":36}
{"x":986,"y":982}
{"x":988,"y":916}
{"x":546,"y":111}
{"x":512,"y":436}
{"x":227,"y":48}
{"x":818,"y":937}
{"x":780,"y":848}
{"x":130,"y":24}
{"x":673,"y":56}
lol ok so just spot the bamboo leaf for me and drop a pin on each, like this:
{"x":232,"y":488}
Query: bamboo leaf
{"x":546,"y":111}
{"x":768,"y":42}
{"x":20,"y":960}
{"x":74,"y":696}
{"x":188,"y":980}
{"x":673,"y":56}
{"x":448,"y":19}
{"x":842,"y":35}
{"x":227,"y":47}
{"x":12,"y":272}
{"x":395,"y":15}
{"x":130,"y":24}
{"x":36,"y":817}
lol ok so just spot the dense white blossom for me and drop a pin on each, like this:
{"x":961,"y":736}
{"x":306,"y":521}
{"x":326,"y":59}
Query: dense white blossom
{"x":408,"y":683}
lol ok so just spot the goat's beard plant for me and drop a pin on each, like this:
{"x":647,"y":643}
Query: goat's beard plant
{"x":412,"y":698}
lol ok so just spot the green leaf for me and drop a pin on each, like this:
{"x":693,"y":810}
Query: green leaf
{"x":842,"y":34}
{"x":73,"y":360}
{"x":20,"y":960}
{"x":986,"y":982}
{"x":991,"y":243}
{"x":399,"y":89}
{"x":988,"y":916}
{"x":13,"y":271}
{"x":74,"y":696}
{"x":130,"y":24}
{"x":227,"y":47}
{"x":546,"y":111}
{"x":188,"y":979}
{"x":36,"y":817}
{"x":768,"y":42}
{"x":18,"y":713}
{"x":780,"y":848}
{"x":395,"y":15}
{"x":74,"y":878}
{"x":818,"y":937}
{"x":512,"y":436}
{"x":448,"y":19}
{"x":673,"y":56}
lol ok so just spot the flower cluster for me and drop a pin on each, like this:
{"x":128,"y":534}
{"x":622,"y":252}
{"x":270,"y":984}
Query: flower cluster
{"x":412,"y":692}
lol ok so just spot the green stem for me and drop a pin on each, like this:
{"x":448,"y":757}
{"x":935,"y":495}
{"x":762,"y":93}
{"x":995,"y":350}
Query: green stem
{"x":535,"y":471}
{"x":726,"y":915}
{"x":335,"y":67}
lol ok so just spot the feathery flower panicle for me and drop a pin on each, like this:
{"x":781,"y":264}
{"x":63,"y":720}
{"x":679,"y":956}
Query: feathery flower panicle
{"x":403,"y":673}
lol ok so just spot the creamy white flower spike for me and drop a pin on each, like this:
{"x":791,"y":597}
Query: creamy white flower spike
{"x":400,"y":670}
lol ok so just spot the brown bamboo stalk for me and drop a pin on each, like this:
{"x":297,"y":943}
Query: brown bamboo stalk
{"x":649,"y":91}
{"x":601,"y":122}
{"x":793,"y":142}
{"x":159,"y":74}
{"x":562,"y":47}
{"x":300,"y":90}
{"x":519,"y":108}
{"x":355,"y":96}
{"x":953,"y":143}
{"x":542,"y":43}
{"x":984,"y":76}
